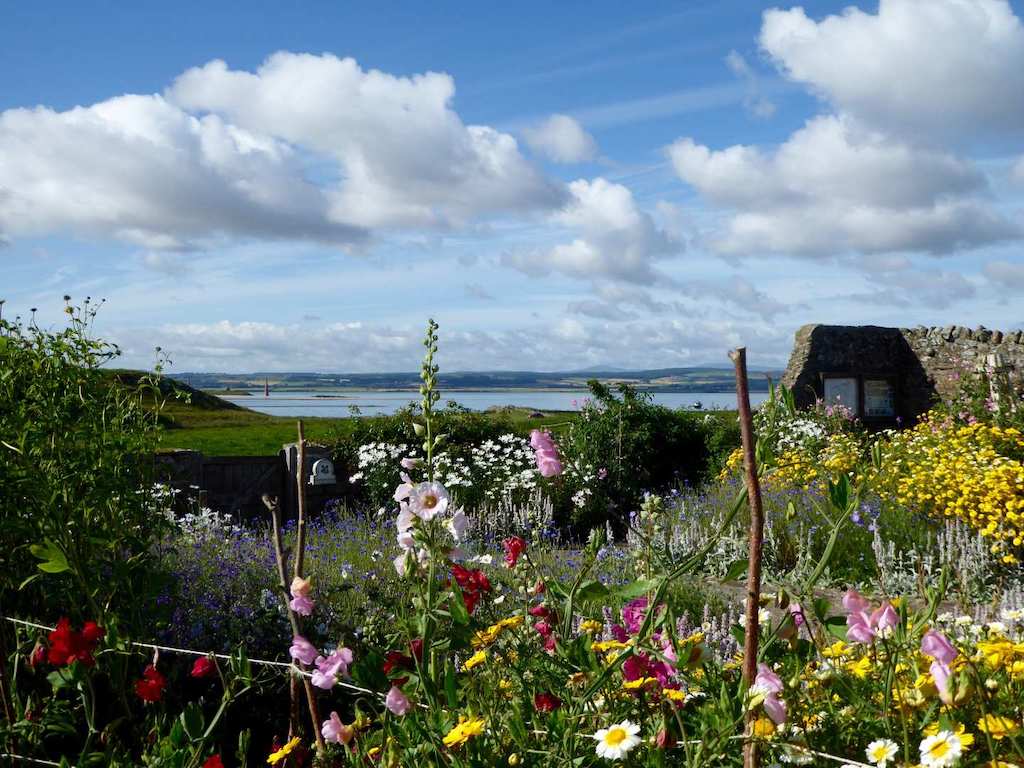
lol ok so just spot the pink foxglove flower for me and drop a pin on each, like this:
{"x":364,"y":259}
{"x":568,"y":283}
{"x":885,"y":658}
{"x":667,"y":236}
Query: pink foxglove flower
{"x":397,"y":702}
{"x":330,"y":668}
{"x":302,"y":650}
{"x":545,"y":453}
{"x":335,"y":731}
{"x":428,"y":500}
{"x":770,"y":686}
{"x":301,"y":602}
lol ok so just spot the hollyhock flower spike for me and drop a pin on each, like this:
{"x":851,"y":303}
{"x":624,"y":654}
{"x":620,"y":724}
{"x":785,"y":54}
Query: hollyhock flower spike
{"x":397,"y":702}
{"x":302,"y":650}
{"x":545,"y":453}
{"x":514,"y":546}
{"x":301,"y":602}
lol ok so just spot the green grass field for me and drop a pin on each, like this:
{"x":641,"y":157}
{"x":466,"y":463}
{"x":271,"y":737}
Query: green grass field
{"x":222,"y":430}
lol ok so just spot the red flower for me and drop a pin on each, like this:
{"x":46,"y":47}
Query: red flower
{"x":151,"y":687}
{"x":473,"y":583}
{"x":213,"y":762}
{"x":540,"y":611}
{"x":514,"y":547}
{"x":204,"y":667}
{"x":546,"y":702}
{"x":396,"y":660}
{"x":416,"y":649}
{"x":38,"y":655}
{"x":67,"y":645}
{"x":664,"y":739}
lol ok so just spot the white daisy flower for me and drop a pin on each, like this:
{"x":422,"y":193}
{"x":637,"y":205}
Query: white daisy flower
{"x":881,"y":751}
{"x":615,"y":742}
{"x":940,"y":750}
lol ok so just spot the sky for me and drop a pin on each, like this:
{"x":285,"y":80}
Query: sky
{"x":271,"y":187}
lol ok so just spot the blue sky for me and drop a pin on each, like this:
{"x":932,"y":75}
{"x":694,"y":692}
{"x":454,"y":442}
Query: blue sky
{"x":560,"y":185}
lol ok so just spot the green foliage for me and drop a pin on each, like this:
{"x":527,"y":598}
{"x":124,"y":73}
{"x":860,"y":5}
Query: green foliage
{"x":74,"y":474}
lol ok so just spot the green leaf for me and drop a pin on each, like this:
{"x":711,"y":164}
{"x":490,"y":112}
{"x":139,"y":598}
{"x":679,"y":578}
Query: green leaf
{"x":52,"y":556}
{"x":449,"y":685}
{"x":836,"y":625}
{"x":736,"y":569}
{"x":636,"y":589}
{"x":458,"y":607}
{"x":592,"y":590}
{"x":192,"y":721}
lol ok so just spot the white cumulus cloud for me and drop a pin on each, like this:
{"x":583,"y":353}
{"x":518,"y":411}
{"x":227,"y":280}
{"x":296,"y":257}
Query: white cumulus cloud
{"x":562,"y":139}
{"x":615,"y":239}
{"x":916,"y":67}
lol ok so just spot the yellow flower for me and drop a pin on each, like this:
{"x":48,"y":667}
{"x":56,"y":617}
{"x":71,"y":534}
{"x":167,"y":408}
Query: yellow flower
{"x":673,"y":694}
{"x":475,"y":660}
{"x":608,"y":645}
{"x":967,"y":739}
{"x":464,"y":730}
{"x":763,"y":728}
{"x":640,"y":682}
{"x":283,"y":752}
{"x":997,"y":726}
{"x":591,"y":626}
{"x":859,"y":668}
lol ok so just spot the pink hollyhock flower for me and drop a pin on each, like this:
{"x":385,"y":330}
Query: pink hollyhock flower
{"x":330,"y":668}
{"x":514,"y":546}
{"x":410,"y":462}
{"x":458,"y":524}
{"x":397,"y":702}
{"x":402,"y":491}
{"x":335,"y":731}
{"x":302,"y":650}
{"x":545,"y":453}
{"x":633,"y":614}
{"x":301,"y":602}
{"x":428,"y":500}
{"x":770,"y":686}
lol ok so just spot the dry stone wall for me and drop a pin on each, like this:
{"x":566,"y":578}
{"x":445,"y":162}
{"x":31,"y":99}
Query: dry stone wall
{"x":922,"y":363}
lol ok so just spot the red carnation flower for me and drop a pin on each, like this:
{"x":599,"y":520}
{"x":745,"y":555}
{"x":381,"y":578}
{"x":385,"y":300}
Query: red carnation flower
{"x":213,"y":762}
{"x":204,"y":667}
{"x":546,"y":702}
{"x":514,"y":547}
{"x":151,"y":687}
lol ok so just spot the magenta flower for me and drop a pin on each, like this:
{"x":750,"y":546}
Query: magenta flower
{"x":633,"y":614}
{"x":330,"y":668}
{"x":397,"y":702}
{"x":862,"y":626}
{"x":335,"y":731}
{"x":301,"y":602}
{"x":770,"y":686}
{"x":302,"y":650}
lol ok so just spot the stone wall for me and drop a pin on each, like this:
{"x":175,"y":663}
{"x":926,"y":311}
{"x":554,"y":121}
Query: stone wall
{"x":922,"y":363}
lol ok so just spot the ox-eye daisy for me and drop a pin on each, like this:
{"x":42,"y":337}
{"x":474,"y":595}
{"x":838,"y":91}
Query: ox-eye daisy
{"x":616,"y":741}
{"x":940,"y":750}
{"x":881,"y":751}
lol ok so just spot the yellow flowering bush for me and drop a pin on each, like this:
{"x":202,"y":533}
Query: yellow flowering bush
{"x":968,"y":471}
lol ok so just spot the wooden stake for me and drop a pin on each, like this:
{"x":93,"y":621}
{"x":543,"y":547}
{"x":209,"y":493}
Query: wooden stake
{"x":751,"y":759}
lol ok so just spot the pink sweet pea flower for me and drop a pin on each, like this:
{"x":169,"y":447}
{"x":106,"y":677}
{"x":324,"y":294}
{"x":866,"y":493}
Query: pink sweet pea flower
{"x":884,"y":619}
{"x":936,"y":645}
{"x":941,"y":674}
{"x":330,"y":668}
{"x":853,"y":602}
{"x":302,"y":650}
{"x":335,"y":731}
{"x":769,"y":684}
{"x":397,"y":702}
{"x":301,"y":602}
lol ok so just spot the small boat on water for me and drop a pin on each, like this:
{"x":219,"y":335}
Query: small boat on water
{"x":697,"y":405}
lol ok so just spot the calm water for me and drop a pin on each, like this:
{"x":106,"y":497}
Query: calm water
{"x":372,"y":403}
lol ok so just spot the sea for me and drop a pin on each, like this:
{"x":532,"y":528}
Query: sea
{"x":352,"y":402}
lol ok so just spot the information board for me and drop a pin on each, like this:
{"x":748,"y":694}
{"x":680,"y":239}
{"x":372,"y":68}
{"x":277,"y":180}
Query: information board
{"x":879,"y":398}
{"x":842,"y":391}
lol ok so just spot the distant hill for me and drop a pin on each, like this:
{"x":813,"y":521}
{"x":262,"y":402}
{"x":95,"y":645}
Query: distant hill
{"x":653,"y":380}
{"x":171,"y":387}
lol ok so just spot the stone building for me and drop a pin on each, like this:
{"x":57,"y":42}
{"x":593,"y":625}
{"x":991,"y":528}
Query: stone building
{"x":885,"y":374}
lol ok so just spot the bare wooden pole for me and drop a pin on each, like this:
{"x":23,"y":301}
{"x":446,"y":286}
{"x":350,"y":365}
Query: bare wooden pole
{"x":751,"y":759}
{"x":281,"y":557}
{"x":300,"y":480}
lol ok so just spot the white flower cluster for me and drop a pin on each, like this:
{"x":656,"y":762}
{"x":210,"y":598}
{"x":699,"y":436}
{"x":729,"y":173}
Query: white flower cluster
{"x":799,"y":433}
{"x":375,"y":456}
{"x":505,"y":466}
